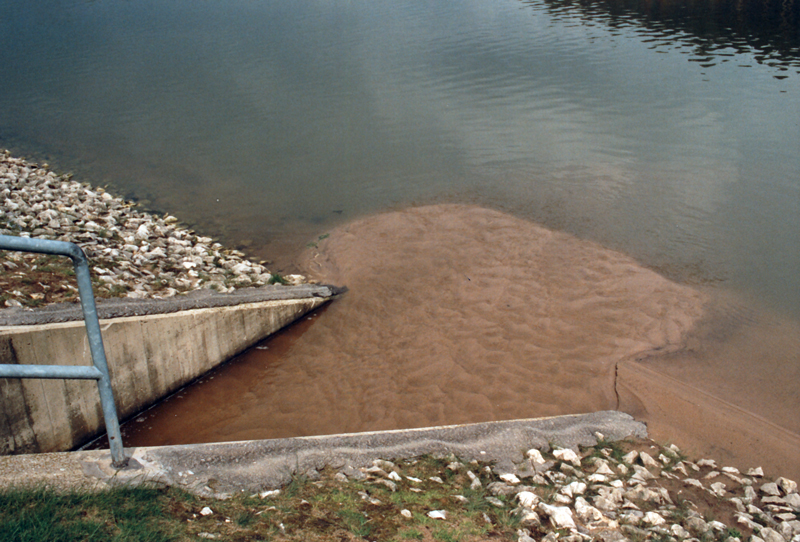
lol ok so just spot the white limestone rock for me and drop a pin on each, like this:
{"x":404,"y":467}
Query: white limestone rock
{"x":653,"y":518}
{"x":737,"y":502}
{"x":717,"y":526}
{"x":142,"y":232}
{"x":527,"y":499}
{"x":630,"y":457}
{"x":679,"y":532}
{"x":793,"y":500}
{"x":739,"y":480}
{"x":383,"y":464}
{"x":785,"y":529}
{"x":529,"y":518}
{"x":747,"y":521}
{"x":560,"y":516}
{"x":771,"y":488}
{"x":565,"y":454}
{"x":535,"y":457}
{"x":770,"y":535}
{"x":643,"y":473}
{"x":648,"y":461}
{"x":693,"y":482}
{"x":388,"y":483}
{"x":786,"y":485}
{"x":642,"y":493}
{"x":294,"y":280}
{"x":697,"y":524}
{"x":494,"y":501}
{"x":605,"y":469}
{"x":573,"y":489}
{"x":475,"y":482}
{"x":718,"y":489}
{"x":587,"y":513}
{"x":375,"y":470}
{"x":604,"y":503}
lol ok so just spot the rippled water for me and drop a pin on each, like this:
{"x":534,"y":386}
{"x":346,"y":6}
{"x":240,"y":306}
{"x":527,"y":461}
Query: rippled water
{"x":666,"y":130}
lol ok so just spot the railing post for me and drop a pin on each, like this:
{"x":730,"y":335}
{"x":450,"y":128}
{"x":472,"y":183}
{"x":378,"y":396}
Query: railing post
{"x":81,"y":264}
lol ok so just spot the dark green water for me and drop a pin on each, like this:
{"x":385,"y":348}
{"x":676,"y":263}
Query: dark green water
{"x":666,"y":130}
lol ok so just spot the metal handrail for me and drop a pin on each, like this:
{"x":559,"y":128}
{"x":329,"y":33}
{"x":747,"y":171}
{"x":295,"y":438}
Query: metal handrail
{"x":100,"y":370}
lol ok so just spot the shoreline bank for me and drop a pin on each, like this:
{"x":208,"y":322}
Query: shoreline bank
{"x":132,"y":253}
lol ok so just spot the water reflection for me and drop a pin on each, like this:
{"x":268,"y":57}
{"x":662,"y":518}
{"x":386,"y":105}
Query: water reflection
{"x":713,"y":30}
{"x":255,"y":121}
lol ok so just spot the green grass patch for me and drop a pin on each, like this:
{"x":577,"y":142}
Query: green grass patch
{"x":275,"y":278}
{"x":131,"y":514}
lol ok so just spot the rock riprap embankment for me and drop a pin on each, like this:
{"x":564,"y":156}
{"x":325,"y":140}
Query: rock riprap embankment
{"x":132,"y":253}
{"x":608,"y":494}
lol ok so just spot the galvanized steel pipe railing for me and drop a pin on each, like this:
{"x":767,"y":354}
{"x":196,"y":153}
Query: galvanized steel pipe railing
{"x":99,"y":371}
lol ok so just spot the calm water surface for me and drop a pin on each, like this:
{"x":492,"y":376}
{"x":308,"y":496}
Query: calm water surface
{"x":671,"y":133}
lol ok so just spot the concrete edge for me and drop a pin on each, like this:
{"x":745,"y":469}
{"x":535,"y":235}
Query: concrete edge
{"x":222,"y":469}
{"x":122,"y":307}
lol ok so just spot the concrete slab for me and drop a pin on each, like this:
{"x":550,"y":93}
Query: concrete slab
{"x":223,"y":469}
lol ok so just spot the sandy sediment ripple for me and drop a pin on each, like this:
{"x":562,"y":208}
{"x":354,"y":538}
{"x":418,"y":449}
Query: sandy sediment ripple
{"x":476,"y":304}
{"x":455,"y":314}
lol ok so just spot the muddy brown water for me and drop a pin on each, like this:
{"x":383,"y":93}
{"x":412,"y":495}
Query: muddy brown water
{"x":461,"y":314}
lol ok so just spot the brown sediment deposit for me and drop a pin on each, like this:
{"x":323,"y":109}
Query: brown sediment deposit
{"x":731,"y":392}
{"x":461,"y":314}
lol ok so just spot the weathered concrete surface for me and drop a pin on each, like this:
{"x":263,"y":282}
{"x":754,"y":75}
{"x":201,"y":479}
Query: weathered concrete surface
{"x":198,"y":299}
{"x":149,"y":357}
{"x":225,"y":468}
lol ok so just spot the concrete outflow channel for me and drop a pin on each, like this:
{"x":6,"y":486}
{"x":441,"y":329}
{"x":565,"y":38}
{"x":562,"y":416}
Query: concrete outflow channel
{"x":156,"y":346}
{"x":153,"y":348}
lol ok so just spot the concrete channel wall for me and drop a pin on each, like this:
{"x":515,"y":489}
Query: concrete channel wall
{"x":149,"y":357}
